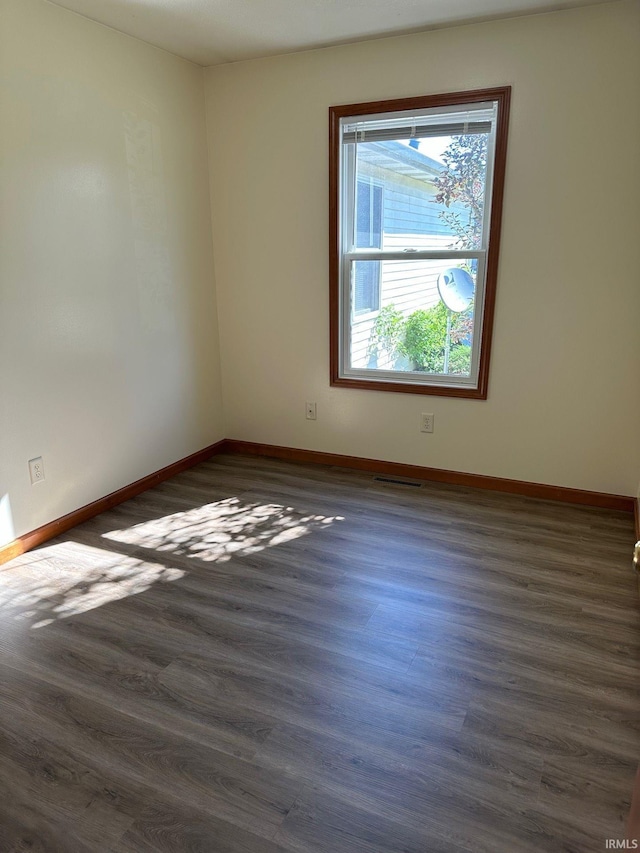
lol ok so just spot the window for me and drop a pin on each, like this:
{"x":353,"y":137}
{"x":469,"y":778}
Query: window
{"x":366,"y":296}
{"x":416,"y":200}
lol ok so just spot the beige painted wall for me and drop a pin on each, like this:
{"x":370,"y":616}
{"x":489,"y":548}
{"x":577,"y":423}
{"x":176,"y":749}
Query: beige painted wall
{"x":563,"y":406}
{"x":109,"y":364}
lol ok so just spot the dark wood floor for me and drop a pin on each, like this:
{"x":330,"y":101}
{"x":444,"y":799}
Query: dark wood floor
{"x":260,"y":657}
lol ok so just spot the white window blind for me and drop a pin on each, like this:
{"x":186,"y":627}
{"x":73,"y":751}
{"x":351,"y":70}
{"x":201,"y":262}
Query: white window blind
{"x":420,"y":126}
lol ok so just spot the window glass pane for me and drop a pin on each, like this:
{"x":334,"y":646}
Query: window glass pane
{"x":433,"y":190}
{"x":366,"y":286}
{"x":425,"y":319}
{"x":368,"y":215}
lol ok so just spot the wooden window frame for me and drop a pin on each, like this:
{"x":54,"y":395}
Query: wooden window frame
{"x":502,"y":96}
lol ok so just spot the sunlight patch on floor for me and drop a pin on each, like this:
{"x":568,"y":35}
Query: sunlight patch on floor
{"x":218,"y":531}
{"x":72,"y":578}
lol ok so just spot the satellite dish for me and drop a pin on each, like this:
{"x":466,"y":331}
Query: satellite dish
{"x":456,"y":287}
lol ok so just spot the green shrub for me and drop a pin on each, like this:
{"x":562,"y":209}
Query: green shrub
{"x":387,"y":331}
{"x":460,"y":359}
{"x":424,"y":339}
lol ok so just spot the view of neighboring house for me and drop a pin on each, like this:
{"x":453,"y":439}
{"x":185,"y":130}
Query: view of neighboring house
{"x":396,"y":210}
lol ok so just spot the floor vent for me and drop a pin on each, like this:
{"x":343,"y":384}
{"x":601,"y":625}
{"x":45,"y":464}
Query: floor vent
{"x":398,"y":482}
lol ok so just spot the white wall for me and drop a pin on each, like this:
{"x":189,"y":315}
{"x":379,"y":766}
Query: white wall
{"x":563,"y":403}
{"x":109,"y":363}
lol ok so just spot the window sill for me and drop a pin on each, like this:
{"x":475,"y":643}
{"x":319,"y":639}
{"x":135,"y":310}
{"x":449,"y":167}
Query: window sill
{"x":460,"y":391}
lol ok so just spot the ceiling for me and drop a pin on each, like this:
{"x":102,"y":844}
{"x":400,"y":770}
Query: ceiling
{"x":211,"y":32}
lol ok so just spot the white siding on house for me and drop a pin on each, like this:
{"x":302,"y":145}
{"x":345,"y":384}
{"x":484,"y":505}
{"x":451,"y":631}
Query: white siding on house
{"x":411,"y":212}
{"x":360,"y":339}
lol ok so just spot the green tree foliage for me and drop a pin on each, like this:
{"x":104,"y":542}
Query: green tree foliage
{"x":463,"y":182}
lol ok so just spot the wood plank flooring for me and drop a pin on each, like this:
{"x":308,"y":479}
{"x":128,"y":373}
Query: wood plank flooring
{"x":264,"y":657}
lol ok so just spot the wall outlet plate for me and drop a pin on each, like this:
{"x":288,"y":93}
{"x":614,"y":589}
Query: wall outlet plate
{"x":426,"y":422}
{"x":36,"y":470}
{"x":312,"y":411}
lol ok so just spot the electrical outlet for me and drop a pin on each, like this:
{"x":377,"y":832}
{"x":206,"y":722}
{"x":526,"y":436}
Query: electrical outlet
{"x":426,"y":422}
{"x":36,"y":470}
{"x":312,"y":411}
